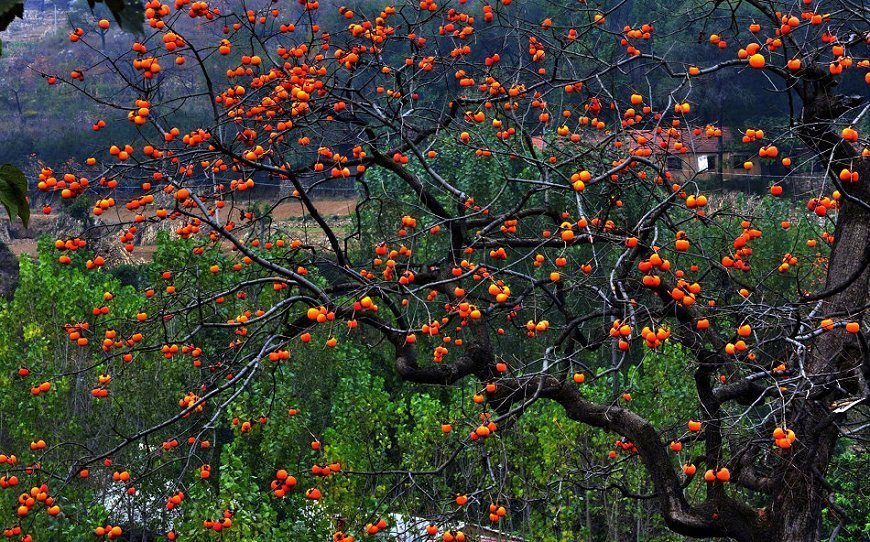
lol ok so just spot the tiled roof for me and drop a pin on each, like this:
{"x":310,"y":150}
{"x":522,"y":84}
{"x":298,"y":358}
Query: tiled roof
{"x":680,"y":139}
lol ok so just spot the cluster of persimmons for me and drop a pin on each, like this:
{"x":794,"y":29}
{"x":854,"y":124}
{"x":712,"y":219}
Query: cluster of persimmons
{"x":275,"y":102}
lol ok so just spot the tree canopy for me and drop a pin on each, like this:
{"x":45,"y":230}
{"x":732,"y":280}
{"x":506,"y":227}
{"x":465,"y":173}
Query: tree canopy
{"x":540,"y":252}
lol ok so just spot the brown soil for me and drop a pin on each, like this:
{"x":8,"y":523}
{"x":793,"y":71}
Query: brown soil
{"x":336,"y":211}
{"x":23,"y":246}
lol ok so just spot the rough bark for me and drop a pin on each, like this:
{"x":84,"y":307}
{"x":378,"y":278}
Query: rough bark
{"x":801,"y":493}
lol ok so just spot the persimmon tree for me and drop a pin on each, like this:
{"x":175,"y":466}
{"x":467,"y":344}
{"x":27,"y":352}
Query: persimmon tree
{"x":521,"y":227}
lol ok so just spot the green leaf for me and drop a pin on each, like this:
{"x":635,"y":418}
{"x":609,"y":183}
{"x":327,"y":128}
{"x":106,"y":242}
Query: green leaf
{"x":13,"y":193}
{"x":9,"y":9}
{"x":129,"y":13}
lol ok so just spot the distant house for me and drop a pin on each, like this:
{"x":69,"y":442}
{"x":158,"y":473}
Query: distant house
{"x":479,"y":533}
{"x":703,"y":153}
{"x":718,"y":155}
{"x":413,"y":529}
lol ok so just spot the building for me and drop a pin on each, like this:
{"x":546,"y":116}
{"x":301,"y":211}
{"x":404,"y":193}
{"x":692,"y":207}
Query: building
{"x":696,"y":152}
{"x":716,"y":157}
{"x":479,"y":533}
{"x":413,"y":529}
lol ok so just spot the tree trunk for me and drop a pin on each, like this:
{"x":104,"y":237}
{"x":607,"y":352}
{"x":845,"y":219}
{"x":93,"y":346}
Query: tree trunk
{"x":8,"y":271}
{"x":802,"y":491}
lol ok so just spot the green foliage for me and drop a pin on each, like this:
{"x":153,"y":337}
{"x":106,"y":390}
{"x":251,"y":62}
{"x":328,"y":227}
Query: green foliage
{"x":78,"y":208}
{"x":349,"y":399}
{"x":13,"y":193}
{"x":847,"y":473}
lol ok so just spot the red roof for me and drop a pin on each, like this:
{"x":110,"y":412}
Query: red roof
{"x":707,"y":142}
